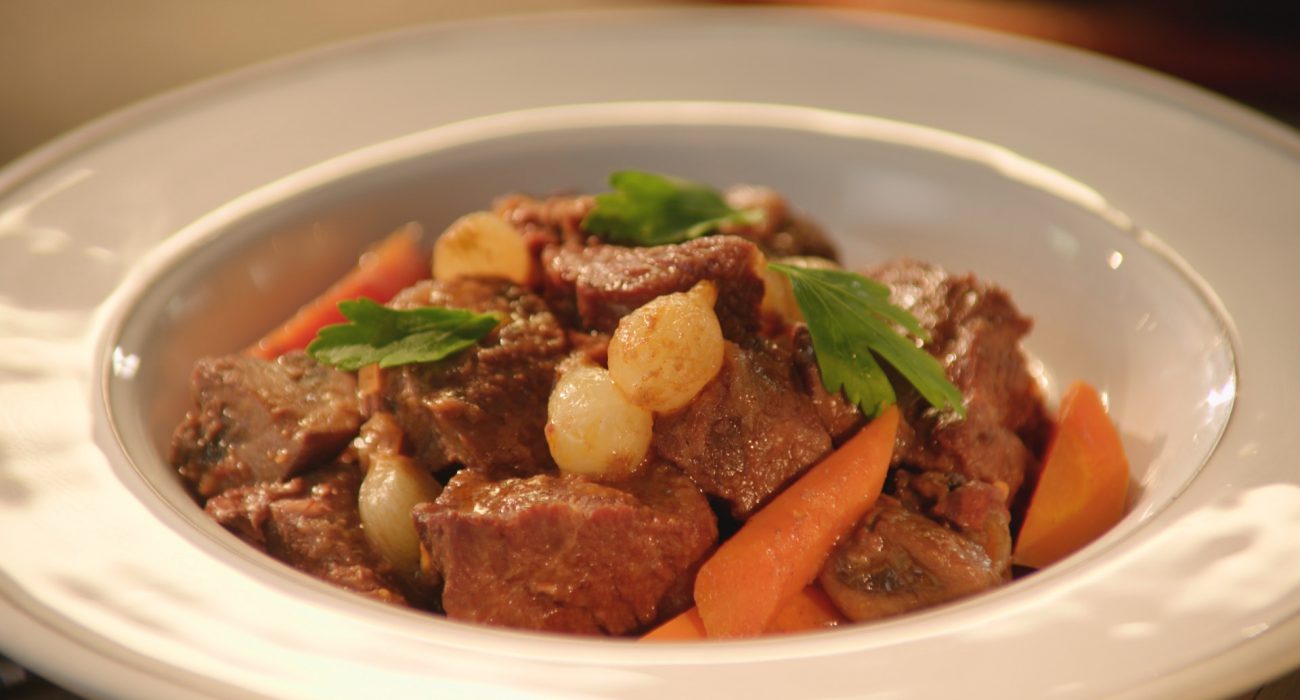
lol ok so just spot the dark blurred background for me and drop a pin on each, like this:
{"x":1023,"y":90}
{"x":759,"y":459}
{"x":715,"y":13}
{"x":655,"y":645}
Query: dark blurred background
{"x":65,"y":62}
{"x":1248,"y":50}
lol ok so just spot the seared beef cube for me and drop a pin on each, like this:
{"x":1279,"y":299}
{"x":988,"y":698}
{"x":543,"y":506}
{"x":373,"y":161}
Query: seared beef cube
{"x":565,"y":554}
{"x":544,"y":221}
{"x":976,"y":510}
{"x":840,"y":418}
{"x":979,"y":512}
{"x":979,"y":447}
{"x":379,"y":437}
{"x":975,"y":332}
{"x":258,"y":421}
{"x":748,"y":432}
{"x":593,"y":345}
{"x":603,"y":283}
{"x":896,"y":561}
{"x":485,"y":407}
{"x":310,"y":523}
{"x":782,"y":232}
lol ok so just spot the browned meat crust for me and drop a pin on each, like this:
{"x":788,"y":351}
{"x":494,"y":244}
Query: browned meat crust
{"x":748,"y":432}
{"x":310,"y":523}
{"x":257,"y":421}
{"x":565,"y":554}
{"x":486,"y":407}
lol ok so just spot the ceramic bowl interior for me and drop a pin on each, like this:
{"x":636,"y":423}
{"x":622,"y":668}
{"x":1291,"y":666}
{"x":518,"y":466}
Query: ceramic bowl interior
{"x":1111,"y":305}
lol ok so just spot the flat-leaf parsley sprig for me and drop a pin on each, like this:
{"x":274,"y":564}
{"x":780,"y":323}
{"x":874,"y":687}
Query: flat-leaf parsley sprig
{"x":376,"y":334}
{"x":852,"y":323}
{"x":647,"y":209}
{"x":850,"y":318}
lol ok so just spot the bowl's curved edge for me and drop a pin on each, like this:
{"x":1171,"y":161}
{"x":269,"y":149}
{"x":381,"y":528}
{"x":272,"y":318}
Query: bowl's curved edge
{"x":1153,"y":82}
{"x":50,"y":155}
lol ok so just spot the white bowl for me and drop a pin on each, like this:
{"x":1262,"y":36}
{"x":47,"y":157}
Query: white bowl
{"x":1120,"y":309}
{"x":130,"y":578}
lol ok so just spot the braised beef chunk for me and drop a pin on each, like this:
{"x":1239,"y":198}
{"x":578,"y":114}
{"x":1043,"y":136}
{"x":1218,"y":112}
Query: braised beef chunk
{"x":840,"y":418}
{"x":380,"y":436}
{"x":565,"y":554}
{"x":945,"y":532}
{"x":782,"y":232}
{"x":310,"y":523}
{"x":974,"y":509}
{"x":484,"y":408}
{"x":258,"y":421}
{"x":555,"y":219}
{"x":276,"y":450}
{"x":979,"y":512}
{"x":897,"y":561}
{"x":601,"y":284}
{"x":975,"y":331}
{"x":748,"y":432}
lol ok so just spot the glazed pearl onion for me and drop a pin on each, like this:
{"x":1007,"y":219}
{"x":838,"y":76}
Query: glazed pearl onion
{"x":481,"y":244}
{"x":591,"y":427}
{"x":663,"y":353}
{"x":392,"y":487}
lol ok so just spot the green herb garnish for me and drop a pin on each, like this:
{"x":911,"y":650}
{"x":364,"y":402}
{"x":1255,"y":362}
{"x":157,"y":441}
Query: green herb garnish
{"x":388,"y":337}
{"x":852,"y":323}
{"x":646,"y":209}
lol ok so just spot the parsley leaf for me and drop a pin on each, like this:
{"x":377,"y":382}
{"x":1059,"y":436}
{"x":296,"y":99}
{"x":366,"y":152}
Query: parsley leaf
{"x":388,"y":337}
{"x":647,"y":209}
{"x":852,"y":324}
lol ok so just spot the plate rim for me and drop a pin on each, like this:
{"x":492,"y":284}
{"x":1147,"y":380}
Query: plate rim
{"x":135,"y":116}
{"x":1087,"y":63}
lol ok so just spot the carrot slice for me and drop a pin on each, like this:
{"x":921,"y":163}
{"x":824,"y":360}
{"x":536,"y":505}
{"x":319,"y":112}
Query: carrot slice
{"x":394,"y":264}
{"x":807,"y":611}
{"x":684,"y":628}
{"x":1083,"y":487}
{"x":779,"y":550}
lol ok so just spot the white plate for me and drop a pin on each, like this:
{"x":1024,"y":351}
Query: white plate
{"x":114,"y":237}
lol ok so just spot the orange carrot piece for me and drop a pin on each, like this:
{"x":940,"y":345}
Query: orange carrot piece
{"x":395,"y":263}
{"x":781,"y":548}
{"x":684,"y":628}
{"x":1083,"y":487}
{"x":807,"y":611}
